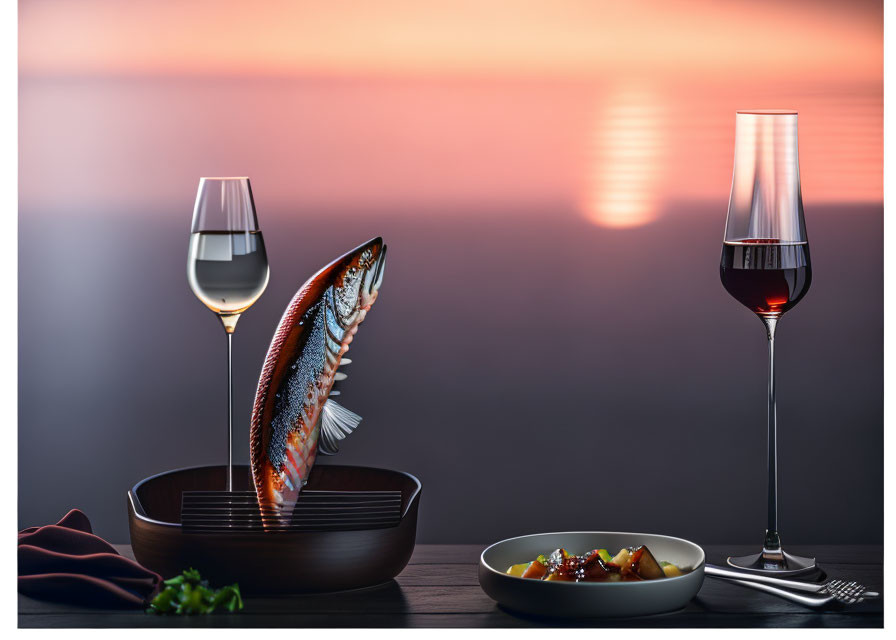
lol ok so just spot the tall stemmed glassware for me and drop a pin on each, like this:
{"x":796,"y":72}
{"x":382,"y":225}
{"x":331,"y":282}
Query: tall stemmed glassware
{"x":227,"y":265}
{"x":765,"y":266}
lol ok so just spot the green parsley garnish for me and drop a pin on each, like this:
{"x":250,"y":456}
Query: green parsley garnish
{"x":188,"y":594}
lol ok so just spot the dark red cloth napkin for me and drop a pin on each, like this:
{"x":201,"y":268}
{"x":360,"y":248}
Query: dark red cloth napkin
{"x":65,"y":562}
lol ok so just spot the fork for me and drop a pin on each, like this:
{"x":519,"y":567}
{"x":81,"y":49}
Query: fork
{"x":839,"y":591}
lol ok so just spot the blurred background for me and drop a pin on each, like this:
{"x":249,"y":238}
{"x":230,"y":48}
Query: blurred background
{"x":552,"y":348}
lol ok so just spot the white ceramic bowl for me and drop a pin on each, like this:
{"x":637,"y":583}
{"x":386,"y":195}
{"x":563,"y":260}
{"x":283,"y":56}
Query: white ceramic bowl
{"x":590,"y":599}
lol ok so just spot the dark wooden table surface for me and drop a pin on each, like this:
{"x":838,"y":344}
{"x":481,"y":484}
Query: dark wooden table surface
{"x":440,"y":588}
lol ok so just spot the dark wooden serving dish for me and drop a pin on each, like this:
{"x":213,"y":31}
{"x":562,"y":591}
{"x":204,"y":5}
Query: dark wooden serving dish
{"x":278,"y":562}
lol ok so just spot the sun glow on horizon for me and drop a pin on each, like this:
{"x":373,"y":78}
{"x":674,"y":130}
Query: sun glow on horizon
{"x":625,"y":164}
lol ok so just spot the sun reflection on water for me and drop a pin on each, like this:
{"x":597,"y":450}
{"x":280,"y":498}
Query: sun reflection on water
{"x":624,"y":164}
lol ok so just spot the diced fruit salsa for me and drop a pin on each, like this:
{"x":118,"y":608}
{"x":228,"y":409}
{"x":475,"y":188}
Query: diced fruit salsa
{"x":630,"y":564}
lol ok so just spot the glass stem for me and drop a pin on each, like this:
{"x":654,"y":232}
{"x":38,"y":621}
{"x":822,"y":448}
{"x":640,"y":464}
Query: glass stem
{"x":229,"y":411}
{"x":772,"y":539}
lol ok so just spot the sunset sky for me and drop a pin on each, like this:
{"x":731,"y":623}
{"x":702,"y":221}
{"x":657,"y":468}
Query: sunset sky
{"x":512,"y":37}
{"x":610,"y":108}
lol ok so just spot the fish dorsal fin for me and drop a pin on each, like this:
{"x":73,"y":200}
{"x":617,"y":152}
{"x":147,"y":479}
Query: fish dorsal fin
{"x":336,"y":422}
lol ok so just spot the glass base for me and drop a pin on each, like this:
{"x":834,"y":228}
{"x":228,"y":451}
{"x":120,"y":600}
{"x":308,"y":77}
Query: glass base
{"x":775,"y":563}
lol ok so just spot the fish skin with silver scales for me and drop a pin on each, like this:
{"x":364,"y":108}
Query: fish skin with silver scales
{"x":293,"y":418}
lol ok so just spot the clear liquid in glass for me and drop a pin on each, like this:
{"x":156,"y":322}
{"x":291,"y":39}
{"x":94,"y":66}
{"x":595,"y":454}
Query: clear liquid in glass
{"x":228,"y":271}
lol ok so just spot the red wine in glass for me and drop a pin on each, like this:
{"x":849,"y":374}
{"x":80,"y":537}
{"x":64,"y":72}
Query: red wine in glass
{"x":765,"y":275}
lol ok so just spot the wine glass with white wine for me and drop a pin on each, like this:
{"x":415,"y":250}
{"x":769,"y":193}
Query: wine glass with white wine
{"x":227,"y":265}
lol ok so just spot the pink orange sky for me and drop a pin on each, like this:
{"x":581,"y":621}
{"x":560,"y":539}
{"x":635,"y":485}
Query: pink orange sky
{"x":507,"y":37}
{"x":610,"y":107}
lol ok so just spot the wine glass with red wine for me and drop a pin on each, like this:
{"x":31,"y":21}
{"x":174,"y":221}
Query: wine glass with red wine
{"x":765,"y":266}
